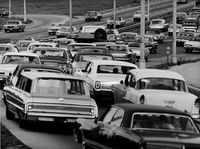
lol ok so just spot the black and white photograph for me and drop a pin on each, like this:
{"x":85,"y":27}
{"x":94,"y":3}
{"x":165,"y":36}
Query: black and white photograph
{"x":100,"y":74}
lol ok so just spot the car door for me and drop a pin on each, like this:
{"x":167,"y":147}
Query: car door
{"x":120,"y":90}
{"x":101,"y":129}
{"x":132,"y":92}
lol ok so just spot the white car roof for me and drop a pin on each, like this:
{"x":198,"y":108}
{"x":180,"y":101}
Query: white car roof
{"x":81,"y":44}
{"x":6,"y":44}
{"x":43,"y":43}
{"x":156,"y":73}
{"x":113,"y":62}
{"x":21,"y":54}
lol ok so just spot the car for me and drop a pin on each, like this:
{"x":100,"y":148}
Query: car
{"x":7,"y":47}
{"x":32,"y":68}
{"x":91,"y":33}
{"x":63,"y":42}
{"x":119,"y":22}
{"x":157,"y":35}
{"x":65,"y":31}
{"x":151,"y":43}
{"x":93,"y":16}
{"x":102,"y":74}
{"x":122,"y":52}
{"x":182,"y":37}
{"x":73,"y":47}
{"x":34,"y":45}
{"x":86,"y":54}
{"x":54,"y":27}
{"x":14,"y":25}
{"x":192,"y":45}
{"x":157,"y":87}
{"x":128,"y":36}
{"x":10,"y":60}
{"x":22,"y":45}
{"x":135,"y":47}
{"x":4,"y":12}
{"x":159,"y":24}
{"x":137,"y":16}
{"x":58,"y":57}
{"x":49,"y":97}
{"x":192,"y":21}
{"x":180,"y":16}
{"x":179,"y":28}
{"x":129,"y":125}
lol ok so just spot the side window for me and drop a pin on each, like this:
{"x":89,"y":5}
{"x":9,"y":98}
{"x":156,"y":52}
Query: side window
{"x":19,"y":81}
{"x":108,"y":117}
{"x":132,"y":81}
{"x":117,"y":118}
{"x":28,"y":85}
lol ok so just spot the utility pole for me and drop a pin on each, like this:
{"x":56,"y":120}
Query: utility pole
{"x":70,"y":14}
{"x":9,"y":9}
{"x":24,"y":10}
{"x":148,"y":9}
{"x":174,"y":58}
{"x":142,"y":63}
{"x":114,"y":15}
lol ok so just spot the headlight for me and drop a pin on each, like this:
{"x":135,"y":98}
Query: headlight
{"x":97,"y":85}
{"x":29,"y":108}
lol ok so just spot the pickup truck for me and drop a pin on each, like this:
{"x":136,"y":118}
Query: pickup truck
{"x":14,"y":25}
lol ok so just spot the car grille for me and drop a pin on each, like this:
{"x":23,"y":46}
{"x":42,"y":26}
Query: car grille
{"x":61,"y":110}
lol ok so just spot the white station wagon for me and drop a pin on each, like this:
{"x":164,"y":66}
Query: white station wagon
{"x":157,"y":87}
{"x":102,"y":74}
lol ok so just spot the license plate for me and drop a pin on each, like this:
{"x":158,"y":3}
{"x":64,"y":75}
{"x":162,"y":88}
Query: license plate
{"x":45,"y":119}
{"x":71,"y":120}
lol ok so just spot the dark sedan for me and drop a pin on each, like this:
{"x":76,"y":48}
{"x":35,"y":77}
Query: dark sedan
{"x":139,"y":126}
{"x":58,"y":57}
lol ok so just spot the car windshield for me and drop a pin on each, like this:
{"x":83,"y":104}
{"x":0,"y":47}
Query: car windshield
{"x":163,"y":122}
{"x":75,"y":48}
{"x":90,"y":57}
{"x":4,"y":49}
{"x":65,"y":29}
{"x":113,"y":69}
{"x":54,"y":53}
{"x":162,"y":84}
{"x":13,"y":22}
{"x":59,"y":87}
{"x":92,"y":13}
{"x":18,"y":59}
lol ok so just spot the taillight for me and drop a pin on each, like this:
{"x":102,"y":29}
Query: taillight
{"x":142,"y":100}
{"x":197,"y":103}
{"x":97,"y":85}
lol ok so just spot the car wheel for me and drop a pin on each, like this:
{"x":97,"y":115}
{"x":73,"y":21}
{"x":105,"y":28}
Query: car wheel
{"x":186,"y":50}
{"x":6,"y":30}
{"x":77,"y":136}
{"x":191,"y":50}
{"x":9,"y":115}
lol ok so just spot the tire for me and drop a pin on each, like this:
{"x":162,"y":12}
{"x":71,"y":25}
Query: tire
{"x":9,"y":115}
{"x":186,"y":50}
{"x":6,"y":30}
{"x":100,"y":34}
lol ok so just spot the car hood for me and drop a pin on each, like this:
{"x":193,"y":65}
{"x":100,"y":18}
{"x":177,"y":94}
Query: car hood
{"x":163,"y":138}
{"x":181,"y":100}
{"x":7,"y":68}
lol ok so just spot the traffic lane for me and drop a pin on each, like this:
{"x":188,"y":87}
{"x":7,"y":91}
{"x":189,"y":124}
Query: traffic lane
{"x":40,"y":22}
